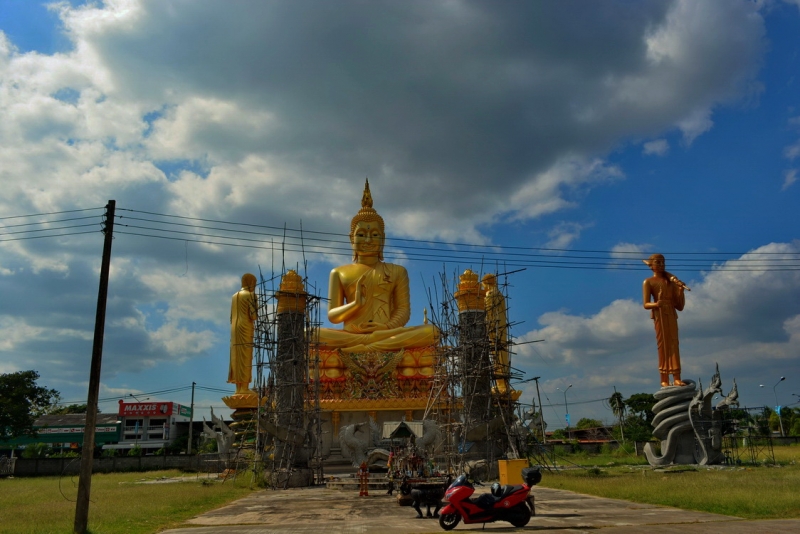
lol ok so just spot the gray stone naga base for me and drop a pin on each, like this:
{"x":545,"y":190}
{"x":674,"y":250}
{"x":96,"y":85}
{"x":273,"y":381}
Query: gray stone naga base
{"x":689,"y":429}
{"x":297,"y":477}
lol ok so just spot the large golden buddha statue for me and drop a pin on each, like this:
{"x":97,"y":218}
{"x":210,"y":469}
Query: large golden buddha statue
{"x":371,"y":297}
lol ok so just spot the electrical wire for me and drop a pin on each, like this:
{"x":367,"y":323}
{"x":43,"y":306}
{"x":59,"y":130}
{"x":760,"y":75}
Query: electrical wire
{"x":196,"y":230}
{"x":430,"y":242}
{"x":557,"y":258}
{"x":46,"y":222}
{"x":50,"y":213}
{"x":458,"y":258}
{"x":48,"y":229}
{"x":46,"y":236}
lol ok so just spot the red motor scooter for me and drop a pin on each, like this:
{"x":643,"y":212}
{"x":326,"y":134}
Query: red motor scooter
{"x":505,"y":503}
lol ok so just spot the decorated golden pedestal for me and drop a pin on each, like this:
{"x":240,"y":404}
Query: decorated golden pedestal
{"x":375,"y":381}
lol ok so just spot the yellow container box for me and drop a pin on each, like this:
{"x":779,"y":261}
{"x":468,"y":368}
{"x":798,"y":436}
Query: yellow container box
{"x":511,"y":471}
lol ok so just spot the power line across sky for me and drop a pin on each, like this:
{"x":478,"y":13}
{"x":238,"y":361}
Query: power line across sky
{"x":161,"y":226}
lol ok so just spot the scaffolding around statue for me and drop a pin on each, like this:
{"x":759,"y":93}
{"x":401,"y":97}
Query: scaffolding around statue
{"x":471,"y":397}
{"x":322,"y":393}
{"x":456,"y":396}
{"x":277,"y":426}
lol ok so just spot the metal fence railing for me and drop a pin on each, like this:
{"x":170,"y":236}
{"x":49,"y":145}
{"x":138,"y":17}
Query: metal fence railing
{"x":7,"y":466}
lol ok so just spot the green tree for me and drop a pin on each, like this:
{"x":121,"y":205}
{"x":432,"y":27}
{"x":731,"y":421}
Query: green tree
{"x":638,"y":423}
{"x":617,"y":404}
{"x":36,"y":450}
{"x":641,"y":405}
{"x":66,"y":410}
{"x":21,"y":402}
{"x":787,"y":416}
{"x":585,"y":423}
{"x":794,"y":422}
{"x":180,"y":444}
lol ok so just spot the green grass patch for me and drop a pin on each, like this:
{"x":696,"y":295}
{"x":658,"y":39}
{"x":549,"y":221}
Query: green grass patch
{"x":120,"y":502}
{"x":621,"y":456}
{"x":751,"y":492}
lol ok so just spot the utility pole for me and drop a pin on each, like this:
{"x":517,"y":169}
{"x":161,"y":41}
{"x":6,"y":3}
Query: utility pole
{"x":566,"y":406}
{"x":191,"y":420}
{"x":621,"y":426}
{"x":541,"y":410}
{"x":87,"y":455}
{"x":778,"y":406}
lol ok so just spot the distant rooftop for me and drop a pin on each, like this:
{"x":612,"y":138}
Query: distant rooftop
{"x":74,"y":419}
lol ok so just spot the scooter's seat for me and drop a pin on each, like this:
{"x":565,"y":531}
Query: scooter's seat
{"x":485,"y":501}
{"x":508,"y":489}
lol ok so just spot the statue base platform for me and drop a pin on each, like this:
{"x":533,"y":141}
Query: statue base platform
{"x":297,"y":477}
{"x":689,"y":427}
{"x":242,"y":401}
{"x":512,"y":395}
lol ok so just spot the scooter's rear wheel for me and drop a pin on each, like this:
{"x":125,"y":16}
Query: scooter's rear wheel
{"x":522,"y":514}
{"x":449,"y":521}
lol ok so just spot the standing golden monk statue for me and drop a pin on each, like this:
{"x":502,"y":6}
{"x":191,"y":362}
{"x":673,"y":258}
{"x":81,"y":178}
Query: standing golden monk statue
{"x":244,"y":312}
{"x":497,"y":328}
{"x":663,"y":295}
{"x":369,"y":296}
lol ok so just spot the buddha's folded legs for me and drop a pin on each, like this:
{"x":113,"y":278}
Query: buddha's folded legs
{"x":382,"y":340}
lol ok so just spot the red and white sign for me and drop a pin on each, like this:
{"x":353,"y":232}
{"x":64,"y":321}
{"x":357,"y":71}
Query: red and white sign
{"x":128,"y":409}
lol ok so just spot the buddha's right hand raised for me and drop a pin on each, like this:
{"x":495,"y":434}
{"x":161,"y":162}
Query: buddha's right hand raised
{"x":359,"y":297}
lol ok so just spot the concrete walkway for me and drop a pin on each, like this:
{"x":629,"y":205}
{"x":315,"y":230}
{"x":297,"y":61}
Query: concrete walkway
{"x":322,"y":511}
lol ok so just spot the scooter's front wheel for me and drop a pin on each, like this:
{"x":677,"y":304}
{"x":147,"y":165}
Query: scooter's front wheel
{"x":449,"y":521}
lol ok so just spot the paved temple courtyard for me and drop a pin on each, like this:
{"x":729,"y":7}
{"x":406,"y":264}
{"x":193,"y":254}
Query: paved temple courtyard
{"x":325,"y":511}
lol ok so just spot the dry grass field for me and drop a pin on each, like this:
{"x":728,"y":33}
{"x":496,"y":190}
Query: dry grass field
{"x":751,"y":492}
{"x":122,"y":503}
{"x":145,"y":503}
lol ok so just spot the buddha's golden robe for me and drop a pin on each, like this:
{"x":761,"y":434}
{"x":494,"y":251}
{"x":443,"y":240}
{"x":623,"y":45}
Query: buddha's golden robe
{"x":243,"y":315}
{"x":386,"y":301}
{"x":665,"y":321}
{"x":497,"y":328}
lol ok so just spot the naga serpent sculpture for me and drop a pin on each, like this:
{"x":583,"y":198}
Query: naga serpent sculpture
{"x":431,"y":438}
{"x":361,"y":450}
{"x":367,"y":450}
{"x":689,"y":430}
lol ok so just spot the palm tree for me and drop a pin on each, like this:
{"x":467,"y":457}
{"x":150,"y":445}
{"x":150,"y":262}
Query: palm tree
{"x":618,"y":407}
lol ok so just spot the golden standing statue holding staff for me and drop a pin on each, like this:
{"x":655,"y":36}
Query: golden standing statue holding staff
{"x":663,"y":295}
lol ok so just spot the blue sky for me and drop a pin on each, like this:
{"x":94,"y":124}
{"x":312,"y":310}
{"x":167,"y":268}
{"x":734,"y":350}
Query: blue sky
{"x":609,"y":130}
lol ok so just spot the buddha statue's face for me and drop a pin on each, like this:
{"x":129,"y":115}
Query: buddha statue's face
{"x":367,"y":240}
{"x":249,"y":282}
{"x":657,"y":263}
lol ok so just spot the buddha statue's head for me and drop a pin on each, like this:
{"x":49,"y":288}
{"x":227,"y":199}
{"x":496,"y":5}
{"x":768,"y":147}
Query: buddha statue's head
{"x":656,"y":262}
{"x":249,"y":282}
{"x":366,"y":229}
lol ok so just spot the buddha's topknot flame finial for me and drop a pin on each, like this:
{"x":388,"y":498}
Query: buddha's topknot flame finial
{"x":366,"y":214}
{"x":366,"y":198}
